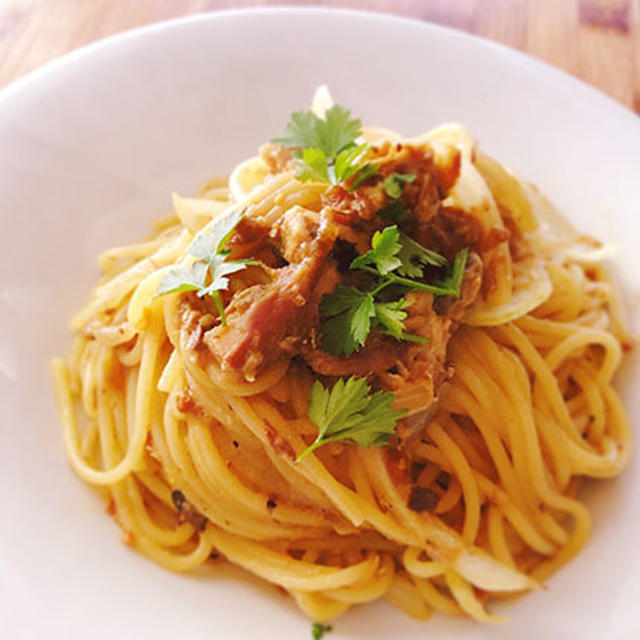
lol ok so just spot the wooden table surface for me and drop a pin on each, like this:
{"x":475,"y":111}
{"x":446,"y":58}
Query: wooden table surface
{"x":596,"y":40}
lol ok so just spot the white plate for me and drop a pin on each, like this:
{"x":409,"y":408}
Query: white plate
{"x":90,"y":148}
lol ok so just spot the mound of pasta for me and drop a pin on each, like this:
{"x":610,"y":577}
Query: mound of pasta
{"x":360,"y":367}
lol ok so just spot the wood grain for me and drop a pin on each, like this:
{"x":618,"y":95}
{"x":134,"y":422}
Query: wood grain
{"x":596,"y":40}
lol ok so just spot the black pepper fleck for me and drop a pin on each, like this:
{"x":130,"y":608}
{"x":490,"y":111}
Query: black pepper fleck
{"x":415,"y":470}
{"x":442,"y":480}
{"x":178,"y":499}
{"x":422,"y":499}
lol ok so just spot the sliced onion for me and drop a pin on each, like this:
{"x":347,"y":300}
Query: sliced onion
{"x":247,"y":176}
{"x":532,"y":286}
{"x":487,"y":573}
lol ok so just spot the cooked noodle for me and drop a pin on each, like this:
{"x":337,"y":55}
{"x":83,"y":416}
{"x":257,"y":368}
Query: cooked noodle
{"x":195,"y":459}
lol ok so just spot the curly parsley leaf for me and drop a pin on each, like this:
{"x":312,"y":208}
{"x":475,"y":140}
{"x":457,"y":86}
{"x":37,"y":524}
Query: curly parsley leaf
{"x":318,"y":630}
{"x":337,"y":130}
{"x":394,"y":183}
{"x":413,"y":257}
{"x":390,"y":317}
{"x":183,"y":279}
{"x":363,"y":174}
{"x":326,"y":148}
{"x":347,"y":161}
{"x":208,"y":275}
{"x":453,"y":280}
{"x":313,"y":167}
{"x":220,"y":268}
{"x":394,"y":259}
{"x":301,"y":131}
{"x":206,"y":245}
{"x":350,"y":412}
{"x":392,"y":250}
{"x":350,"y":311}
{"x":342,"y":299}
{"x":383,"y":255}
{"x":331,"y":135}
{"x":352,"y":314}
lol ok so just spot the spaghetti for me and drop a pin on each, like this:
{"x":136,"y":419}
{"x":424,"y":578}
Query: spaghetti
{"x":472,"y":499}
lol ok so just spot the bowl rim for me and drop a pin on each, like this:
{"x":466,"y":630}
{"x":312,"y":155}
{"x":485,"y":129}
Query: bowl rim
{"x":534,"y":65}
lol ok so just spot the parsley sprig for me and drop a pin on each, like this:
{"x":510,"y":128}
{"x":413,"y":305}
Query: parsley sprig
{"x":394,"y":259}
{"x":394,"y":183}
{"x":326,"y":148}
{"x":318,"y":630}
{"x":350,"y":412}
{"x":392,"y":251}
{"x":208,"y":274}
{"x":393,"y":186}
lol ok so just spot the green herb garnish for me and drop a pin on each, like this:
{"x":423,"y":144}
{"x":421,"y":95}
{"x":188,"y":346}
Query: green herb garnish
{"x":362,"y":175}
{"x":350,"y":412}
{"x":394,"y":259}
{"x":318,"y":630}
{"x":392,"y":251}
{"x":395,"y":212}
{"x":383,"y":255}
{"x":453,"y":280}
{"x":414,"y":257}
{"x":326,"y":148}
{"x":394,"y":183}
{"x":332,"y":134}
{"x":208,"y":275}
{"x":350,"y":312}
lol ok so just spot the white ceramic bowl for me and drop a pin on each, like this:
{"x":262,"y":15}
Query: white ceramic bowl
{"x":92,"y":144}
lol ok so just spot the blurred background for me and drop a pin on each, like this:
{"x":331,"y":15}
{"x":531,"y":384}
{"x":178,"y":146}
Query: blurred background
{"x":596,"y":40}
